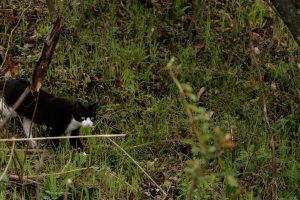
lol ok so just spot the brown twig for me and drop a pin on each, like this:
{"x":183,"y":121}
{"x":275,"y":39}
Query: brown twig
{"x":22,"y":150}
{"x":45,"y":58}
{"x":25,"y":179}
{"x":266,"y":118}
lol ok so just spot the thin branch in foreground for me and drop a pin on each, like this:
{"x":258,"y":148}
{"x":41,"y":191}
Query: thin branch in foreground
{"x":21,"y":150}
{"x":24,"y":180}
{"x":9,"y":161}
{"x":62,"y":137}
{"x":266,"y":118}
{"x":43,"y":63}
{"x":139,"y":166}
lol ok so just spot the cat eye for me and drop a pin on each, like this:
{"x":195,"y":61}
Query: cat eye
{"x":92,"y":118}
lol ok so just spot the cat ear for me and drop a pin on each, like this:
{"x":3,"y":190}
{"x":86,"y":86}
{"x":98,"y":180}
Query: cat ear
{"x":78,"y":105}
{"x":93,"y":106}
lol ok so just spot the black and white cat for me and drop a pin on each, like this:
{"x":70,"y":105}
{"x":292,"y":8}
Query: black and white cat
{"x":59,"y":115}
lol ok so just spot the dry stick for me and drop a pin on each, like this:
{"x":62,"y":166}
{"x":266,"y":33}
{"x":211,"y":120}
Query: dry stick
{"x":11,"y":34}
{"x":29,"y":178}
{"x":21,"y":150}
{"x":266,"y":118}
{"x":137,"y":164}
{"x":17,"y":177}
{"x":62,"y":137}
{"x":9,"y":161}
{"x":42,"y":65}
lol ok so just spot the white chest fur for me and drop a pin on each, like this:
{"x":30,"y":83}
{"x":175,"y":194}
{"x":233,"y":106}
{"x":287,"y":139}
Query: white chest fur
{"x":74,"y":124}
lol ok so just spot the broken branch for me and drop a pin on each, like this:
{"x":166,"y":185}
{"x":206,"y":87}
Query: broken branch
{"x":45,"y":58}
{"x":266,"y":118}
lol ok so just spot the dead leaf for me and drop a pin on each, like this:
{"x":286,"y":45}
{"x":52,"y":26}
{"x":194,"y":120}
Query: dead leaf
{"x":227,"y":30}
{"x":246,"y":183}
{"x":118,"y":83}
{"x":186,"y":18}
{"x":256,"y":50}
{"x":200,"y":46}
{"x":269,"y":65}
{"x":11,"y":68}
{"x":201,"y":91}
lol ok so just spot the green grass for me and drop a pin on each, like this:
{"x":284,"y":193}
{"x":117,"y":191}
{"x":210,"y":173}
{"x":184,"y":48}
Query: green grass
{"x":118,"y":57}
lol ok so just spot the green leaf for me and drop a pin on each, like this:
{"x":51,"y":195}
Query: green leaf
{"x":186,"y":87}
{"x":232,"y":181}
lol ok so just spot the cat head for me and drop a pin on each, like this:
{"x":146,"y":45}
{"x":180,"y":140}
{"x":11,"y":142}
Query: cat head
{"x":85,"y":113}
